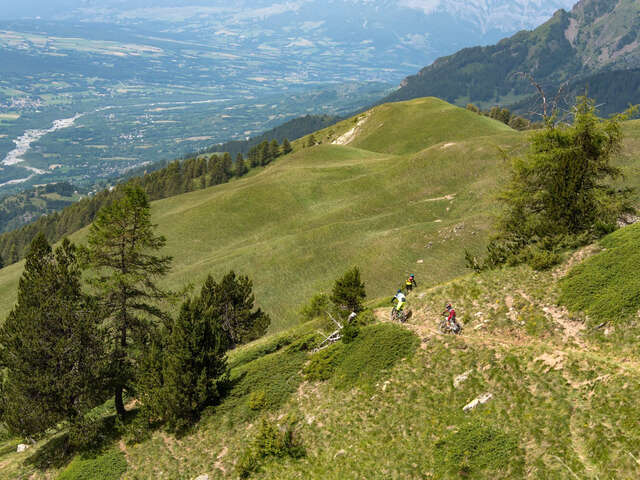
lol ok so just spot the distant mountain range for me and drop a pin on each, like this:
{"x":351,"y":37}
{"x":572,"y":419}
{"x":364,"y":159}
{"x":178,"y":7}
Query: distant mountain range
{"x":401,"y":34}
{"x":593,"y":45}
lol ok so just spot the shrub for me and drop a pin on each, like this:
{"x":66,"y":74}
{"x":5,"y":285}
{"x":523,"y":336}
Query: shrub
{"x":323,"y":364}
{"x":478,"y":449}
{"x":543,"y":259}
{"x":365,"y":360}
{"x":107,"y":466}
{"x":270,"y":442}
{"x":276,"y":374}
{"x":348,"y":291}
{"x":257,"y":400}
{"x":316,"y":307}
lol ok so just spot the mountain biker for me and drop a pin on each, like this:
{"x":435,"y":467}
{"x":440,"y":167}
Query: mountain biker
{"x":410,"y":283}
{"x":450,"y":313}
{"x":401,"y":299}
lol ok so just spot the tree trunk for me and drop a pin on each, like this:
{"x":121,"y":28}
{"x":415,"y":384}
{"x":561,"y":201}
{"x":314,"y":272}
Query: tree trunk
{"x":119,"y":403}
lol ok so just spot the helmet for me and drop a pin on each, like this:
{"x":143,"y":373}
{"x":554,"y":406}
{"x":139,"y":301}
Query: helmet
{"x":411,"y":276}
{"x":399,"y":290}
{"x":447,"y":305}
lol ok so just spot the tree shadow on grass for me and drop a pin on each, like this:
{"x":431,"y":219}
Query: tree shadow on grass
{"x":59,"y":450}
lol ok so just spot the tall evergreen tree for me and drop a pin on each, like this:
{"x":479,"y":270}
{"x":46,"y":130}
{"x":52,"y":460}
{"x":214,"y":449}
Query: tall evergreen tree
{"x":232,"y":302}
{"x":121,"y":247}
{"x":311,"y":141}
{"x":50,"y":344}
{"x":286,"y":147}
{"x":240,"y":167}
{"x":563,"y":185}
{"x":13,"y":255}
{"x":194,"y":365}
{"x":265,"y":153}
{"x":274,"y":149}
{"x":348,"y":291}
{"x":227,"y":166}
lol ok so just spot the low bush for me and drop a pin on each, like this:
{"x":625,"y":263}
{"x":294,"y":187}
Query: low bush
{"x":270,"y":441}
{"x":365,"y":360}
{"x":109,"y":465}
{"x":277,"y":375}
{"x":316,"y":307}
{"x":541,"y":260}
{"x":477,"y":450}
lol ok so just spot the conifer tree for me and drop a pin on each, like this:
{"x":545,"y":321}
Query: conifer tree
{"x":311,"y":141}
{"x":1,"y":263}
{"x":50,"y":345}
{"x":265,"y":153}
{"x":232,"y":302}
{"x":560,"y":187}
{"x":286,"y":147}
{"x":121,"y":250}
{"x":194,"y":364}
{"x":274,"y":149}
{"x":13,"y":255}
{"x":240,"y":168}
{"x":348,"y":291}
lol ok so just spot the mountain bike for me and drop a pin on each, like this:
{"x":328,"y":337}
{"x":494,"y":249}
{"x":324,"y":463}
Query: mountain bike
{"x":450,"y":327}
{"x":397,"y":316}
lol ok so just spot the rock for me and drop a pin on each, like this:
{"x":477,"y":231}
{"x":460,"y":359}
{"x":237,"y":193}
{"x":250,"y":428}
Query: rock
{"x":420,"y":261}
{"x":22,"y":447}
{"x":478,"y":401}
{"x":204,"y":476}
{"x":460,"y":379}
{"x":339,"y":453}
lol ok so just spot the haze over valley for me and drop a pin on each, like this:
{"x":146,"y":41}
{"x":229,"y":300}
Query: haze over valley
{"x":155,"y":80}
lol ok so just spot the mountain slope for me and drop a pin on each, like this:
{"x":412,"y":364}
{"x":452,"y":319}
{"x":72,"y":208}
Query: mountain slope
{"x":299,"y":223}
{"x":562,"y":400}
{"x":410,"y":207}
{"x":596,"y":35}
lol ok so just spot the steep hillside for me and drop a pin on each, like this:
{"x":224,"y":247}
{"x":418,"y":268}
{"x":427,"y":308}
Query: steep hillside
{"x":596,"y":35}
{"x":560,"y":397}
{"x":299,"y":223}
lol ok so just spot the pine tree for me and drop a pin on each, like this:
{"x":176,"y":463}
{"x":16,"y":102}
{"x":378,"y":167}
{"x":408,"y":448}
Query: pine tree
{"x":50,"y":345}
{"x":195,"y":364}
{"x":13,"y":254}
{"x":311,"y":141}
{"x":348,"y":291}
{"x":232,"y":302}
{"x":265,"y":153}
{"x":240,"y":168}
{"x":121,"y":246}
{"x":560,"y":186}
{"x":227,"y":166}
{"x":286,"y":147}
{"x":274,"y":149}
{"x":1,"y":263}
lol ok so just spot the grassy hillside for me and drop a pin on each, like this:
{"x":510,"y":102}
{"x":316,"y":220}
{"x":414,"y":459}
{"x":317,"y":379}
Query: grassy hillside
{"x":298,"y":224}
{"x":390,"y":404}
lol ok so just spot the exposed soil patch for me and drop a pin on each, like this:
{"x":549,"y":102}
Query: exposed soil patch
{"x":351,"y":135}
